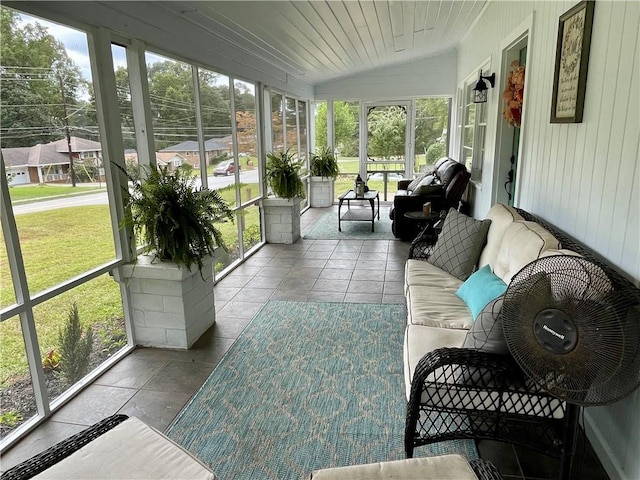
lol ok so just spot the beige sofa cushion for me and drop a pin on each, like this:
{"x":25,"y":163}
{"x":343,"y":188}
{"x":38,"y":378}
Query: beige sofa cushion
{"x":419,"y":340}
{"x":501,"y":217}
{"x":443,"y":467}
{"x":132,"y":450}
{"x":437,"y":308}
{"x":431,"y":297}
{"x":521,"y":244}
{"x":421,"y":273}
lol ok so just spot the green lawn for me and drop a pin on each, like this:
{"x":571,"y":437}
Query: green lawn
{"x":31,"y":192}
{"x":60,"y":244}
{"x":56,"y":246}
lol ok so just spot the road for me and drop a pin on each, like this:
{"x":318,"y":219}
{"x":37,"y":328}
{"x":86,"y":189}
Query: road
{"x":249,"y":176}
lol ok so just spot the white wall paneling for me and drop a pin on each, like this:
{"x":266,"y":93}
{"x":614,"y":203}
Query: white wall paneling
{"x":583,"y":178}
{"x":435,"y":76}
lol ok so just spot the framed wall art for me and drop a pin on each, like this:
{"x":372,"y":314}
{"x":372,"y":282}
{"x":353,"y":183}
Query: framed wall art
{"x":572,"y":61}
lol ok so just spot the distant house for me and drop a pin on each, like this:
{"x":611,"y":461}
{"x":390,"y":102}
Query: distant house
{"x":49,"y":162}
{"x":163,"y":159}
{"x":190,"y":150}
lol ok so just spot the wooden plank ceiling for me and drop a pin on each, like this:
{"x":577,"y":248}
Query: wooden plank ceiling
{"x":321,"y":40}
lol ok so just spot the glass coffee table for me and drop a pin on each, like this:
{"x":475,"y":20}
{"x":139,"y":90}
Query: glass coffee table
{"x":358,"y":214}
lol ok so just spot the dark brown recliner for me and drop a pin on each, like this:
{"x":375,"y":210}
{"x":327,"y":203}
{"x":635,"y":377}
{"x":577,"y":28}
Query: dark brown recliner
{"x":450,"y":181}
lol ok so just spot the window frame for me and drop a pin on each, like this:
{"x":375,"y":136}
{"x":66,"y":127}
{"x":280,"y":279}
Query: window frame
{"x":475,"y":148}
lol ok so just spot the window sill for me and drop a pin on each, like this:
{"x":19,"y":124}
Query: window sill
{"x":477,"y":184}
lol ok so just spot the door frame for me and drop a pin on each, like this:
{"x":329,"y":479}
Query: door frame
{"x":510,"y":50}
{"x":408,"y":139}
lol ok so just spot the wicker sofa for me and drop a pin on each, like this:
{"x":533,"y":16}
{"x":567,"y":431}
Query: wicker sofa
{"x":460,"y":383}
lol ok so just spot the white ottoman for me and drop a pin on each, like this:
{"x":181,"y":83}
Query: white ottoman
{"x":444,"y":467}
{"x":131,"y":450}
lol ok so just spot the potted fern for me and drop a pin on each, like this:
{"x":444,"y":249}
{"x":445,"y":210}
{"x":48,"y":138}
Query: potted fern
{"x":324,"y":171}
{"x":282,"y":211}
{"x":177,"y":223}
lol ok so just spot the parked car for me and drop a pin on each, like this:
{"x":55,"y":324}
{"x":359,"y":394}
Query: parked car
{"x":225,"y":168}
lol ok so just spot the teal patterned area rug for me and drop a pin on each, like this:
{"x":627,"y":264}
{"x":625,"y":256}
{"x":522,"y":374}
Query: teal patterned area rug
{"x":306,"y":386}
{"x":326,"y":228}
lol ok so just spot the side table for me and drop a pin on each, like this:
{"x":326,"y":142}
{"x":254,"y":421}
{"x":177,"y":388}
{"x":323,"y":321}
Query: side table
{"x":422,"y":221}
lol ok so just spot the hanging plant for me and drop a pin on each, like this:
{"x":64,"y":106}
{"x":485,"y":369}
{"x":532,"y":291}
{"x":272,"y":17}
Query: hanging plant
{"x":513,"y":95}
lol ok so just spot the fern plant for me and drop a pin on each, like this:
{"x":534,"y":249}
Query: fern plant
{"x":175,"y":220}
{"x":324,"y":164}
{"x":282,"y":175}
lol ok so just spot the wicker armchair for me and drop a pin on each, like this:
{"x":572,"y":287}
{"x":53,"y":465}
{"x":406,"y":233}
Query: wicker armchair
{"x":464,"y":393}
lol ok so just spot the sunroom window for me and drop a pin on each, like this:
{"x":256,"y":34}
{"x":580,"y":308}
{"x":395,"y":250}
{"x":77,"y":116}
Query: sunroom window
{"x":472,"y":125}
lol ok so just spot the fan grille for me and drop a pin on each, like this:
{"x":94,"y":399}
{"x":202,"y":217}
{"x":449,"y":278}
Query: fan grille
{"x":602,"y":362}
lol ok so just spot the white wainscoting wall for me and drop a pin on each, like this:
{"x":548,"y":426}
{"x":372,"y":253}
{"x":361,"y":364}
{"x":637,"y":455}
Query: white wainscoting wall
{"x":584,"y":178}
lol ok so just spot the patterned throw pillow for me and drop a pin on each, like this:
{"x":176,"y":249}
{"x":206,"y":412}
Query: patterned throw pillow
{"x":459,"y":244}
{"x":427,"y":186}
{"x":486,"y":333}
{"x":414,"y":184}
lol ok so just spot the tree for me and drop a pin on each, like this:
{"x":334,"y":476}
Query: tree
{"x":172,"y":102}
{"x":36,"y":71}
{"x":215,"y":103}
{"x":75,"y":347}
{"x":387,"y":132}
{"x":432,"y":117}
{"x":345,"y":127}
{"x":246,"y":128}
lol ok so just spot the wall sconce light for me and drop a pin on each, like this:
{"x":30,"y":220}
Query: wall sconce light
{"x":480,"y":90}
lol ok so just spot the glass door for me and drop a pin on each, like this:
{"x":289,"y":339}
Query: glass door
{"x":387,"y":157}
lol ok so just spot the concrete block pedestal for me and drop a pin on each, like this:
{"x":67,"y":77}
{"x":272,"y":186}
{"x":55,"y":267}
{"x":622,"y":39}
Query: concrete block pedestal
{"x":321,"y":192}
{"x":171,"y":306}
{"x":282,"y":219}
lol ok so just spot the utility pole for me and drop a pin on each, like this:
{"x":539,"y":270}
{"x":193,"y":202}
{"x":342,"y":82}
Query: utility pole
{"x":66,"y":130}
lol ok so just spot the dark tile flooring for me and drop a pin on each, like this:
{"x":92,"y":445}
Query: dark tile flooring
{"x":155,"y":384}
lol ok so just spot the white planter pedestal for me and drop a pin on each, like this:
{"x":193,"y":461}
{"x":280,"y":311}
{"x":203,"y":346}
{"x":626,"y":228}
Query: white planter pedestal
{"x":321,"y":192}
{"x":282,"y":219}
{"x":171,"y":305}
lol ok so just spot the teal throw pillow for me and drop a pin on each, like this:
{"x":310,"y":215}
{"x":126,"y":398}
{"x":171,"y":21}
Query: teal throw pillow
{"x":480,"y":288}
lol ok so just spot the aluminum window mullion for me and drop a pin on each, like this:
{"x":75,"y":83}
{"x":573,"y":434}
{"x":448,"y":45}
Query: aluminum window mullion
{"x":110,"y":128}
{"x":21,"y":288}
{"x":204,"y":179}
{"x":141,"y":103}
{"x":236,"y":170}
{"x":261,"y":135}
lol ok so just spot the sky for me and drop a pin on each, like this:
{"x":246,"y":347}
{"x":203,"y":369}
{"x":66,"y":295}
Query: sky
{"x":76,"y":45}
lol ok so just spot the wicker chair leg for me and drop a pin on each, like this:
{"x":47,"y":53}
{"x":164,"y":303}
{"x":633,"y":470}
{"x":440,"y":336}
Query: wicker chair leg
{"x":570,"y":436}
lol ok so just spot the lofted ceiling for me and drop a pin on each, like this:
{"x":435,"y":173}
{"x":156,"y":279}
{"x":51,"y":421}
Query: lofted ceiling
{"x":318,"y":41}
{"x":321,"y":40}
{"x":314,"y":41}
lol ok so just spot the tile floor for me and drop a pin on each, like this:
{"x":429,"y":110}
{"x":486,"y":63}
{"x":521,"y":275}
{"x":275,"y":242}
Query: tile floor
{"x":155,"y":384}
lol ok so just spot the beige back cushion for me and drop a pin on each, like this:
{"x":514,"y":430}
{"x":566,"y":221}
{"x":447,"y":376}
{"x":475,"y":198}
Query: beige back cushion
{"x":501,"y":217}
{"x":521,"y":244}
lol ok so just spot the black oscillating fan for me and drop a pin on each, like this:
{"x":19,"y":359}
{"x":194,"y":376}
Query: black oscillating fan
{"x":572,"y":332}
